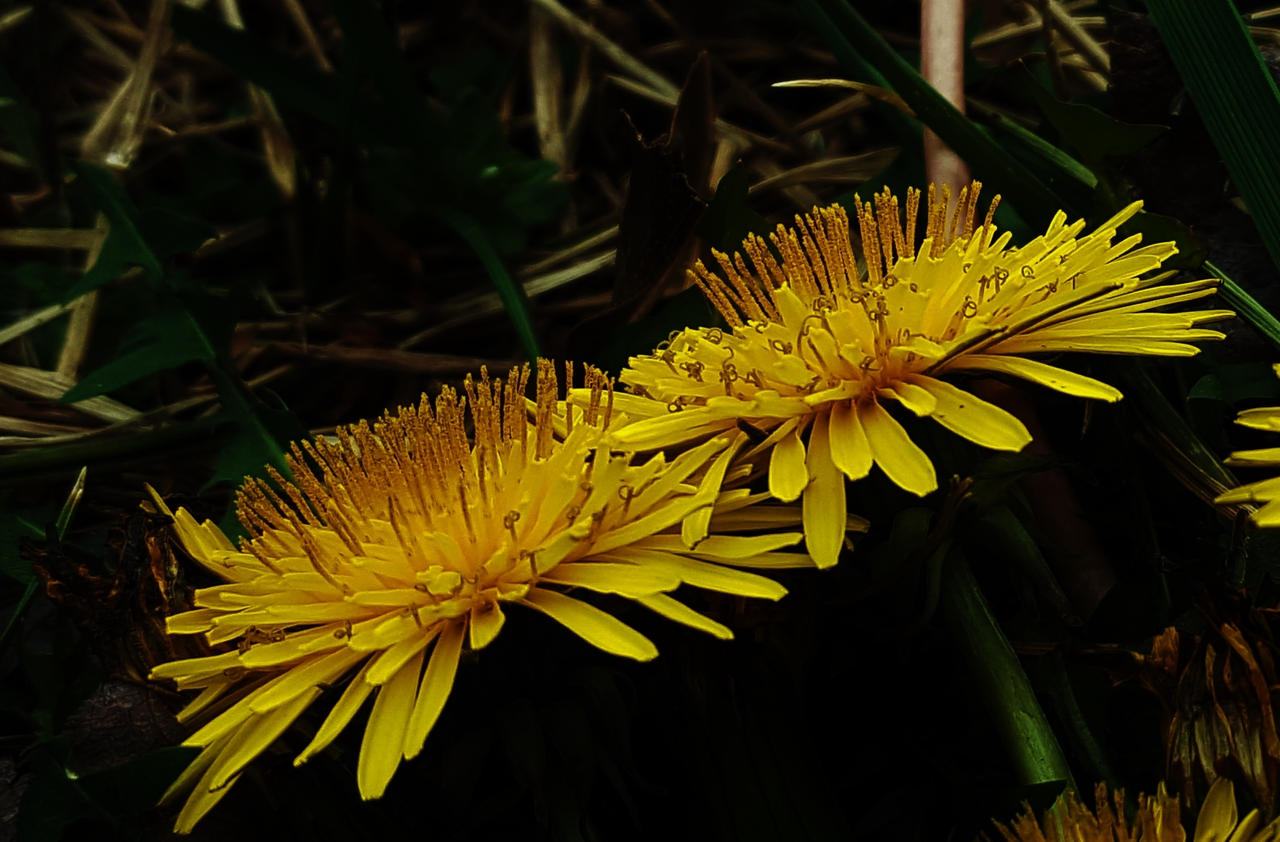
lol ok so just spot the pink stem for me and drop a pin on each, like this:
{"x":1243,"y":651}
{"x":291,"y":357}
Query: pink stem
{"x":942,"y":65}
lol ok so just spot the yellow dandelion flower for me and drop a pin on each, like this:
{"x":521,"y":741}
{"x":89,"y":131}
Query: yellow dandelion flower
{"x":820,"y":344}
{"x":1156,"y":820}
{"x":1265,"y":493}
{"x":399,"y":545}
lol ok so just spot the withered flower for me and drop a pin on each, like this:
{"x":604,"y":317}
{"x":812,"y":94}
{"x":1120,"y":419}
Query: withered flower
{"x":1217,"y":692}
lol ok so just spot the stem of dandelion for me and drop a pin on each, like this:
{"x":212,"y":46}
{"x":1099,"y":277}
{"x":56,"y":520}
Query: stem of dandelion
{"x":999,"y":680}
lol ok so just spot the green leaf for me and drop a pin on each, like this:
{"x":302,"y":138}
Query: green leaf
{"x":1090,"y":132}
{"x":1236,"y":383}
{"x":245,"y":452}
{"x":1050,"y":162}
{"x":998,"y":679}
{"x":1164,"y":422}
{"x":1235,"y":95}
{"x":124,"y":246}
{"x":1246,"y":306}
{"x":509,"y":292}
{"x":158,"y":343}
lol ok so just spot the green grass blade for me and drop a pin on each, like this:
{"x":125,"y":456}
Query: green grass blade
{"x":1198,"y":462}
{"x":509,"y":292}
{"x":1246,"y":306}
{"x":1235,"y":95}
{"x":1035,"y":202}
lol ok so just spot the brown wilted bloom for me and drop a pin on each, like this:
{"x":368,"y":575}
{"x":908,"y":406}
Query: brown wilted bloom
{"x":1217,"y":693}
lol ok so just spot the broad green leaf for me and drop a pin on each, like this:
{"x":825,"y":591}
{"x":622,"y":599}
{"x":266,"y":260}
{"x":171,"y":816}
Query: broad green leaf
{"x":1090,"y":132}
{"x":158,"y":343}
{"x":1236,"y":383}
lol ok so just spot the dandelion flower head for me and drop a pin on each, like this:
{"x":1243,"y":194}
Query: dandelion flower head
{"x":820,"y":343}
{"x":1156,"y":820}
{"x":398,"y":545}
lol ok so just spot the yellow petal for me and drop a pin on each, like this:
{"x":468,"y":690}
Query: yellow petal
{"x":1247,"y":830}
{"x":207,"y":696}
{"x":593,"y":625}
{"x":437,"y":682}
{"x":1058,"y":379}
{"x":1218,"y":813}
{"x":191,"y":622}
{"x":673,"y":609}
{"x":1260,"y":418}
{"x":383,"y":743}
{"x":254,"y":737}
{"x":914,"y":398}
{"x":787,"y":472}
{"x":1268,"y":515}
{"x":195,"y":770}
{"x":849,"y":449}
{"x":203,"y":797}
{"x":895,"y":452}
{"x":728,"y":548}
{"x":703,"y":574}
{"x":1267,"y":489}
{"x":348,"y":704}
{"x":673,"y":428}
{"x":695,"y":526}
{"x":486,"y":622}
{"x":1261,"y":457}
{"x":973,"y":418}
{"x":823,"y":507}
{"x":630,"y":580}
{"x":387,"y":663}
{"x":325,"y":669}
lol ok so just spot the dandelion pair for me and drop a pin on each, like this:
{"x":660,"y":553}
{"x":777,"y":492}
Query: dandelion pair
{"x":392,"y":550}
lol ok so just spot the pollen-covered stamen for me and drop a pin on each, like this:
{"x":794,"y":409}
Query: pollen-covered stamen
{"x":544,"y":425}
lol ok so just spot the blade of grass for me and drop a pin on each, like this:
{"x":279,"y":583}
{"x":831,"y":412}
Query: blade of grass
{"x":509,"y":292}
{"x":1236,"y":96}
{"x":1198,"y":466}
{"x":857,"y":65}
{"x":1246,"y":306}
{"x":19,"y":468}
{"x":69,"y":507}
{"x":850,"y":33}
